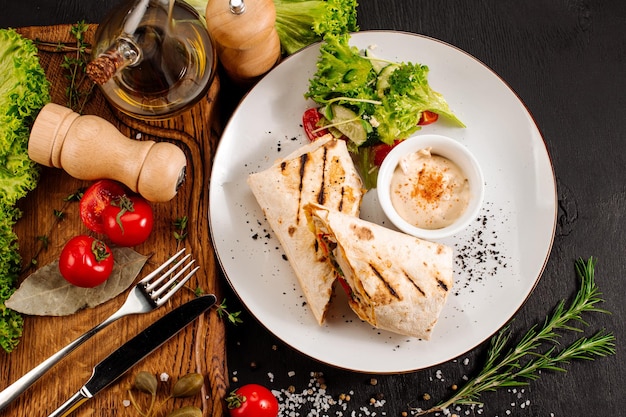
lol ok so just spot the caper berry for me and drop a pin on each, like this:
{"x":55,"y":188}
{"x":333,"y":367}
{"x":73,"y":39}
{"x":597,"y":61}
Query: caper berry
{"x":188,"y":385}
{"x":188,"y":411}
{"x":146,"y":382}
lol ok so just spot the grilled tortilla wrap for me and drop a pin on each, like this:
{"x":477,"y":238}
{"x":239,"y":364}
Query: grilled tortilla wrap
{"x":396,"y":282}
{"x":320,"y":172}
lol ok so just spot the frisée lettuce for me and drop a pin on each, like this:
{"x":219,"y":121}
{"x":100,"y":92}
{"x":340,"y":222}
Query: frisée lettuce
{"x":372,"y":102}
{"x":390,"y":100}
{"x":24,"y":90}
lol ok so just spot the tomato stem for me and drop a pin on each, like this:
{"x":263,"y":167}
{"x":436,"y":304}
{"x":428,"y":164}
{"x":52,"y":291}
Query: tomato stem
{"x":126,"y":205}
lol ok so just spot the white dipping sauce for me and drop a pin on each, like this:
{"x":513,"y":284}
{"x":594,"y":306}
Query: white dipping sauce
{"x":429,"y":191}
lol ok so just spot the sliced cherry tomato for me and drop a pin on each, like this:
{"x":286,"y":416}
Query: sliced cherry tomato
{"x":85,"y":261}
{"x":95,"y":199}
{"x":345,"y":286}
{"x":381,"y":151}
{"x":128,"y":220}
{"x":310,"y":122}
{"x":252,"y":400}
{"x":427,"y":118}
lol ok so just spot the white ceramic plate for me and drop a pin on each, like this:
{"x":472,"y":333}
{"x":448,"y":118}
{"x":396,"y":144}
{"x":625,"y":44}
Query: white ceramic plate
{"x":499,"y":258}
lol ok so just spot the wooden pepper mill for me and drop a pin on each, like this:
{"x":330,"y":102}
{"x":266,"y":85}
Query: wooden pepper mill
{"x":245,"y":35}
{"x":91,"y":148}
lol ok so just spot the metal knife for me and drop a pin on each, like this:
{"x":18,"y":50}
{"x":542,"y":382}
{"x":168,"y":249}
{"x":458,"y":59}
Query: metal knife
{"x":117,"y":363}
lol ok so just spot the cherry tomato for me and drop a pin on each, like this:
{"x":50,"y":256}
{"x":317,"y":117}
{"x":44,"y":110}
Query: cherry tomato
{"x":85,"y":261}
{"x":252,"y":400}
{"x":381,"y":151}
{"x":427,"y":118}
{"x":95,"y":199}
{"x":310,"y":122}
{"x":128,"y":220}
{"x":345,"y":286}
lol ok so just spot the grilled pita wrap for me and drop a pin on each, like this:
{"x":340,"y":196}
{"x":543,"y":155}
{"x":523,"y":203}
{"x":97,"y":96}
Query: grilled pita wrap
{"x":395,"y":281}
{"x":321,"y":172}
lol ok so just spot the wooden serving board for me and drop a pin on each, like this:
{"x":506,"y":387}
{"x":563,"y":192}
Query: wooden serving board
{"x":200,"y":347}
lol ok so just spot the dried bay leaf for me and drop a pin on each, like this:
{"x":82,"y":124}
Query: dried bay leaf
{"x":47,"y":293}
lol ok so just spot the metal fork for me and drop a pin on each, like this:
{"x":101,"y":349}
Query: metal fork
{"x":149,"y":294}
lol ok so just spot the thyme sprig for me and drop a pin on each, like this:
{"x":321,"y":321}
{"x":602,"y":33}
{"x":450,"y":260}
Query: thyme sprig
{"x":523,"y":362}
{"x":232,"y":317}
{"x":59,"y":216}
{"x":180,"y":229}
{"x":80,"y":87}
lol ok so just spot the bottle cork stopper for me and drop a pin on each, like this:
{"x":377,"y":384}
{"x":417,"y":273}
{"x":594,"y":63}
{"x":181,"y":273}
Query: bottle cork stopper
{"x":101,"y":69}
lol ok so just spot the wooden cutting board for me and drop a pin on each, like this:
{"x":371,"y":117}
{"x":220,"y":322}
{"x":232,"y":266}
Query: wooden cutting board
{"x":200,"y":347}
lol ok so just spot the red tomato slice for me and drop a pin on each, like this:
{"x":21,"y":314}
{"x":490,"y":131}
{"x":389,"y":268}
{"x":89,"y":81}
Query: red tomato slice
{"x":345,"y":286}
{"x":381,"y":151}
{"x":128,"y":220}
{"x":310,"y":122}
{"x":85,"y":261}
{"x":95,"y":199}
{"x":427,"y":118}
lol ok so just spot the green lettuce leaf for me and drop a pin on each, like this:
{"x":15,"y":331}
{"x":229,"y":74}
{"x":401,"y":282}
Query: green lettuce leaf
{"x":24,"y":90}
{"x":342,"y":75}
{"x":403,"y":103}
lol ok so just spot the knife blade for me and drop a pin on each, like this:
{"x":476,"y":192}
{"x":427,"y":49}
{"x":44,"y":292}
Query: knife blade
{"x":121,"y":360}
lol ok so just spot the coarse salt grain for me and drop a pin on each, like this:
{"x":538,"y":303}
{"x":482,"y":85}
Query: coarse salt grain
{"x":126,"y":403}
{"x":164,"y":377}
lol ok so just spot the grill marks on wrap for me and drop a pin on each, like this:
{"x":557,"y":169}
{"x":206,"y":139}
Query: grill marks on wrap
{"x":321,"y":197}
{"x":307,"y":165}
{"x":392,"y":291}
{"x":385,"y":283}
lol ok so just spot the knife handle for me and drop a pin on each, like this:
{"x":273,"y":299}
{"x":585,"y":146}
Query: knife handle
{"x":14,"y":390}
{"x":72,"y":404}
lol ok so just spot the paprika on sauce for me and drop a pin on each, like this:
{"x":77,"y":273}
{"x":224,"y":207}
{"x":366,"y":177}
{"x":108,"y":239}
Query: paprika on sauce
{"x":428,"y":190}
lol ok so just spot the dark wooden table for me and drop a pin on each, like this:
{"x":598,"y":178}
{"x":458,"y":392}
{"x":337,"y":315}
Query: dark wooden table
{"x":566,"y":60}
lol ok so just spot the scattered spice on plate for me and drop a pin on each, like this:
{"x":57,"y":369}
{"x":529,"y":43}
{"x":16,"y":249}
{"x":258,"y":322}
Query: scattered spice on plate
{"x":480,"y":256}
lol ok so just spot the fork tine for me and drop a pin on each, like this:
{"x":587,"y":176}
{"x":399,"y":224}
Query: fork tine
{"x":154,"y":293}
{"x":172,"y":290}
{"x":152,"y":285}
{"x":157,"y":271}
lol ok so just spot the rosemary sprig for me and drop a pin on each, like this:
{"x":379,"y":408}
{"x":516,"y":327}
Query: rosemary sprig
{"x":513,"y":369}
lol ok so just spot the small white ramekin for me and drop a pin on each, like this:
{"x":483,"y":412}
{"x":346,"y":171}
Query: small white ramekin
{"x":448,"y":148}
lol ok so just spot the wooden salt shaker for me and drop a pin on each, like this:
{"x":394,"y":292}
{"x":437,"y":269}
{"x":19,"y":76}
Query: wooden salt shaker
{"x":91,"y":148}
{"x":245,"y":34}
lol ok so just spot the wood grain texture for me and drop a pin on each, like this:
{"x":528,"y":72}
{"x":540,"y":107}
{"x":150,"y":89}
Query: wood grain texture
{"x":201,"y":346}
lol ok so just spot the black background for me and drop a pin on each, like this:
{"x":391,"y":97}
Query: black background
{"x":566,"y":59}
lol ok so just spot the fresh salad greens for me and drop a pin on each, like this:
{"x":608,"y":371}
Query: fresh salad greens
{"x":371,"y":101}
{"x":24,"y":90}
{"x":300,"y":23}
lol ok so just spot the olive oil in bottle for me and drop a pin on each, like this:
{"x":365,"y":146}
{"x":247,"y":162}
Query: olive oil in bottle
{"x":153,"y":59}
